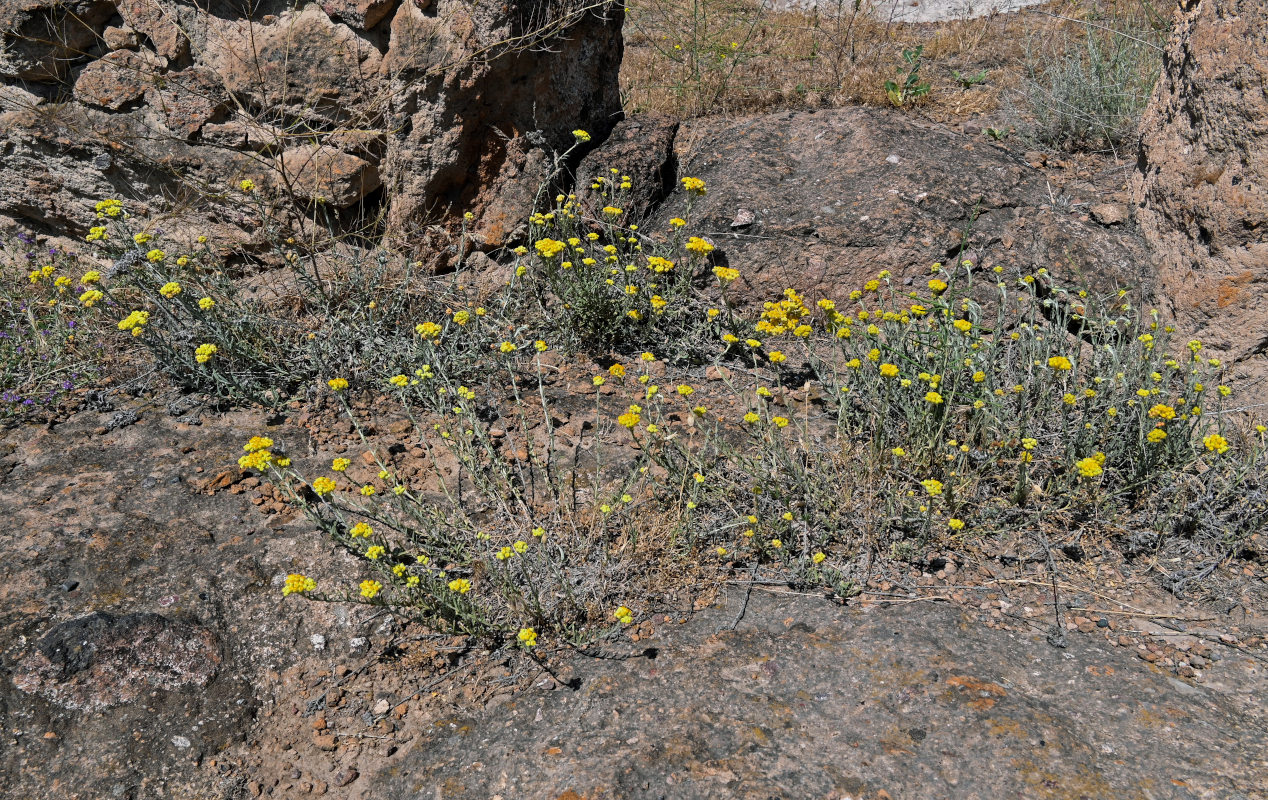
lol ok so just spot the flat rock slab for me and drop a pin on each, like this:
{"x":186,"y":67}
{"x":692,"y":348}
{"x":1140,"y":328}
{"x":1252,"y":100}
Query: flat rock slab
{"x":805,"y":699}
{"x":821,"y":202}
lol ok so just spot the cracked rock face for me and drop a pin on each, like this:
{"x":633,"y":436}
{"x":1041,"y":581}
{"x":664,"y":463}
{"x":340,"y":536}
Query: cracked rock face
{"x":450,"y":106}
{"x":1202,"y":182}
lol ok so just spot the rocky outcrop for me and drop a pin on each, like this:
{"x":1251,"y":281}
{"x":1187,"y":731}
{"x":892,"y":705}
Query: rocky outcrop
{"x":1202,"y":182}
{"x":451,"y":106}
{"x":821,"y":202}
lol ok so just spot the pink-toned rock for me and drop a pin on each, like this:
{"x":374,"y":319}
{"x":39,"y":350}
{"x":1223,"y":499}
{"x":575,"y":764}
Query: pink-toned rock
{"x":473,"y":143}
{"x":159,"y":21}
{"x":188,"y":100}
{"x":361,"y":14}
{"x":1202,"y":189}
{"x":300,"y":65}
{"x":101,"y":660}
{"x":334,"y":177}
{"x":116,"y":79}
{"x":121,"y":38}
{"x":41,"y":39}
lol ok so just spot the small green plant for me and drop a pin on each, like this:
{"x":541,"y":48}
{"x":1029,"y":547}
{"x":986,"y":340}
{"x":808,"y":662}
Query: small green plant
{"x":969,"y":81}
{"x":998,"y":134}
{"x":1088,"y":91}
{"x":909,"y":88}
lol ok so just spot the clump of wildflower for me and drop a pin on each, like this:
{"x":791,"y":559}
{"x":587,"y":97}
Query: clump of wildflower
{"x":1216,"y":443}
{"x":932,"y":486}
{"x":204,"y":352}
{"x":323,"y":486}
{"x":370,"y":589}
{"x":527,"y":637}
{"x":1060,"y":363}
{"x":337,"y":384}
{"x":623,"y":615}
{"x":428,"y":330}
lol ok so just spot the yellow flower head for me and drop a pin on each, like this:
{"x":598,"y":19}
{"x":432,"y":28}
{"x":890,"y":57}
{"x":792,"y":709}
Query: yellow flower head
{"x":549,"y":248}
{"x":1162,"y":411}
{"x":699,"y":246}
{"x":298,"y":584}
{"x":1089,"y":467}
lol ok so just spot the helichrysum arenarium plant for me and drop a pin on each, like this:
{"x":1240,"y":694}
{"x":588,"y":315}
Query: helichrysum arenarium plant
{"x":873,"y":424}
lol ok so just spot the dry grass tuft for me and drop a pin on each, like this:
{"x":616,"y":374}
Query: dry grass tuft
{"x":703,"y":57}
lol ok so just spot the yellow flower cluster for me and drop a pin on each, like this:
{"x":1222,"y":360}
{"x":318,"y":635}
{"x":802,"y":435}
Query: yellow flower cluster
{"x":549,"y":248}
{"x":298,"y":584}
{"x":135,"y":322}
{"x":694,"y":186}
